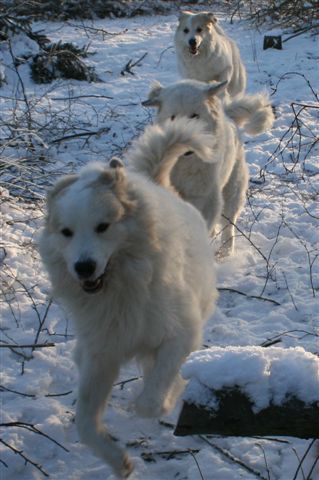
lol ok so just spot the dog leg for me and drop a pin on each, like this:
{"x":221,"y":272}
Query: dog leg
{"x":213,"y":208}
{"x":234,"y":194}
{"x":163,"y":383}
{"x":97,"y":376}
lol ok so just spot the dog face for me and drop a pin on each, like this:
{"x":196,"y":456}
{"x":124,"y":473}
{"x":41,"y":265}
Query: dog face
{"x":188,"y":98}
{"x":86,"y":222}
{"x":194,"y":31}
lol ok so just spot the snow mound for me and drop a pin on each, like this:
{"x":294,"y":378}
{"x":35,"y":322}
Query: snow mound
{"x":266,"y":375}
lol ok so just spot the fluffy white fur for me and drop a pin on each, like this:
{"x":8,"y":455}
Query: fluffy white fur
{"x":218,"y":187}
{"x":133,"y":264}
{"x":206,"y":53}
{"x":157,"y":152}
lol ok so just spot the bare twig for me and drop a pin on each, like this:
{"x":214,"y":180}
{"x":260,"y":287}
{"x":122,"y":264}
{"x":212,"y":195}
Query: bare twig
{"x":81,"y":134}
{"x":270,"y":343}
{"x":302,"y":460}
{"x":124,"y":382}
{"x":5,"y":389}
{"x":32,"y":428}
{"x":63,"y":394}
{"x":270,"y":268}
{"x":197,"y":464}
{"x":77,"y":97}
{"x":301,"y":31}
{"x":41,"y":323}
{"x":290,"y":294}
{"x":130,"y":64}
{"x":309,"y":476}
{"x":28,"y":111}
{"x":27,"y":345}
{"x":162,"y":53}
{"x":148,"y":456}
{"x":232,"y":458}
{"x":265,"y":459}
{"x":32,"y":395}
{"x":247,"y":238}
{"x":4,"y":463}
{"x":96,"y":31}
{"x":169,"y":425}
{"x":311,"y":262}
{"x":24,"y":457}
{"x":299,"y":74}
{"x":288,"y":333}
{"x":257,"y":297}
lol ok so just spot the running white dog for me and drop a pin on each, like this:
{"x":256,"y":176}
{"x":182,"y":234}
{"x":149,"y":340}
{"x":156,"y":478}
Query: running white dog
{"x":220,"y":186}
{"x":123,"y":257}
{"x":204,"y":52}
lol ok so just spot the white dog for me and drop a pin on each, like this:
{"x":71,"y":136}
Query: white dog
{"x":219,"y":186}
{"x":133,"y":264}
{"x":204,"y":52}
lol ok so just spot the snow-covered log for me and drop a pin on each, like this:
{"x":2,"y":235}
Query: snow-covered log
{"x":235,"y":417}
{"x":248,"y":391}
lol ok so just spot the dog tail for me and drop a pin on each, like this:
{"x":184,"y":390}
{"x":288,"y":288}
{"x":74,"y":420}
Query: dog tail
{"x":252,"y":112}
{"x":156,"y":152}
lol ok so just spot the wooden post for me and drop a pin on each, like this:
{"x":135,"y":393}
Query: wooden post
{"x":272,"y":41}
{"x":235,"y":417}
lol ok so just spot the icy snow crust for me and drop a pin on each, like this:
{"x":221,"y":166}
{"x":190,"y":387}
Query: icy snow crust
{"x":266,"y":375}
{"x":278,"y":300}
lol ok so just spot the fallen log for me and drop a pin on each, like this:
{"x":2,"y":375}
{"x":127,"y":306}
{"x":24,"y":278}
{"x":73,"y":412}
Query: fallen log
{"x":251,"y":391}
{"x":235,"y":417}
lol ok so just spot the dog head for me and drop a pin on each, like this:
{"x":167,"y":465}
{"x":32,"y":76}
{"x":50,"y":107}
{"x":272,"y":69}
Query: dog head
{"x":194,"y":30}
{"x":86,"y":222}
{"x":187,"y":98}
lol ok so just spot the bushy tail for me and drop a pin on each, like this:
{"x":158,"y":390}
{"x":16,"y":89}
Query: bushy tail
{"x":252,"y":112}
{"x":156,"y":152}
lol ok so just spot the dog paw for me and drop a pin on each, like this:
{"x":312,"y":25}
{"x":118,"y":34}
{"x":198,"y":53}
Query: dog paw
{"x":223,"y":253}
{"x":126,"y":468}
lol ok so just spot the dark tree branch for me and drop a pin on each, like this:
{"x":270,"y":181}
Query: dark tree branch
{"x":257,"y":297}
{"x":130,"y":64}
{"x":24,"y":457}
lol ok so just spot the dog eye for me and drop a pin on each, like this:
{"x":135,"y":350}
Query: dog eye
{"x":195,"y":115}
{"x":66,"y":232}
{"x":173,"y":117}
{"x":186,"y":30}
{"x":199,"y":29}
{"x":102,"y":227}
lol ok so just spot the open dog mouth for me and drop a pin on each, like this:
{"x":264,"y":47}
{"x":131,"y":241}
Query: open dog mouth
{"x":193,"y":50}
{"x":93,"y":286}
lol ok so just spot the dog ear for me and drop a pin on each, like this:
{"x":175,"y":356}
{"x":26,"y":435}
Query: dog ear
{"x":116,"y":162}
{"x":154,"y":96}
{"x":115,"y":177}
{"x":215,"y":88}
{"x":211,"y":17}
{"x":184,"y":14}
{"x":60,"y":185}
{"x":112,"y":175}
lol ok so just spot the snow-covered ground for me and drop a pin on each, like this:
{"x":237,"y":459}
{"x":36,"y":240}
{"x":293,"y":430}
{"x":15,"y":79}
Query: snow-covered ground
{"x":268,"y":290}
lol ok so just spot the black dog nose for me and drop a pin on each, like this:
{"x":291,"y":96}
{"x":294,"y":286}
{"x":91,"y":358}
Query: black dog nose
{"x":192,"y":42}
{"x":85,"y":269}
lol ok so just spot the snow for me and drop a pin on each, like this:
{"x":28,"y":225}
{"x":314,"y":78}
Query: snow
{"x":266,"y":375}
{"x":268,"y":290}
